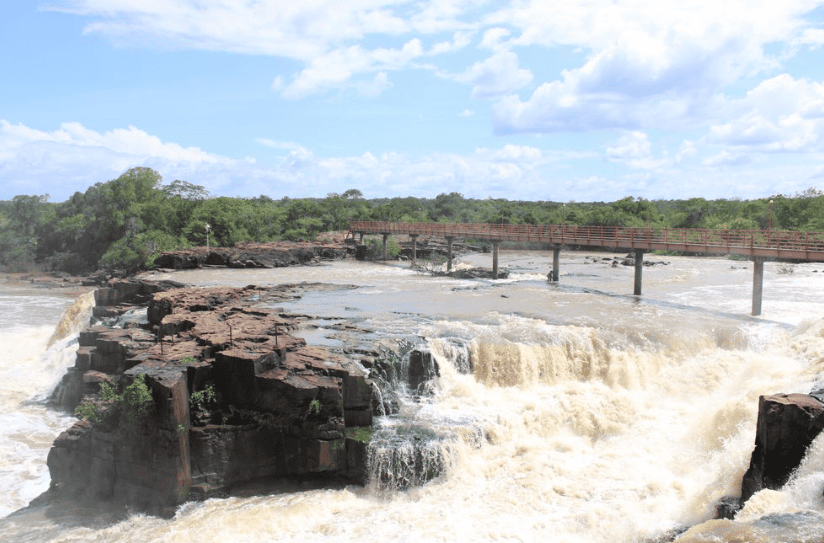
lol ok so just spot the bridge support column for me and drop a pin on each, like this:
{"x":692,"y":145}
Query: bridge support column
{"x":495,"y":259}
{"x":414,"y":249}
{"x":639,"y":268}
{"x":556,"y":264}
{"x":757,"y":285}
{"x":449,"y":254}
{"x":361,"y":238}
{"x":385,"y":254}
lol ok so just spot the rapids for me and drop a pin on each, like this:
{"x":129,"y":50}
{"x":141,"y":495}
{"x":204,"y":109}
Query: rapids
{"x":588,"y":415}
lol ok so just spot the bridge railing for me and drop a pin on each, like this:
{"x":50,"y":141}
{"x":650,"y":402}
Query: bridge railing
{"x":609,"y":236}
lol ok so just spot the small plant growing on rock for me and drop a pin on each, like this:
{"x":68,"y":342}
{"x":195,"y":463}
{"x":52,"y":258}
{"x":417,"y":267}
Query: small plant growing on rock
{"x":186,"y":360}
{"x":88,"y":411}
{"x":314,"y":408}
{"x":201,"y":399}
{"x":133,"y":405}
{"x":108,"y":392}
{"x":136,"y":402}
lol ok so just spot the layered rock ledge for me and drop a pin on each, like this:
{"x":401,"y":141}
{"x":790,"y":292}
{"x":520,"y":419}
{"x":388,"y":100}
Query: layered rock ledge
{"x":255,"y":255}
{"x":232,"y":397}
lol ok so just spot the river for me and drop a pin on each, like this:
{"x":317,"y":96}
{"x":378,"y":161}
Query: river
{"x":591,"y":415}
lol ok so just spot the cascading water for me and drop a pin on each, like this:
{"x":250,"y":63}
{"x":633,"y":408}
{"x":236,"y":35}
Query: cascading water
{"x":564,"y":413}
{"x":32,"y":361}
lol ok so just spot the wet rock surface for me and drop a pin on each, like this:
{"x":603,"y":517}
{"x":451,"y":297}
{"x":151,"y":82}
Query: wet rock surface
{"x":787,"y":425}
{"x":234,"y":397}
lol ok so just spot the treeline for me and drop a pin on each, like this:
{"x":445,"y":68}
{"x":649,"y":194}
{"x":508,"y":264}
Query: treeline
{"x":123,"y":223}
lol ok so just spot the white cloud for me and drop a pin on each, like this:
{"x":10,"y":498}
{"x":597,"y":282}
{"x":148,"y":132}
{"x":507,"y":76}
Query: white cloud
{"x":325,"y":34}
{"x":338,"y":67}
{"x":688,"y":149}
{"x":74,"y":157}
{"x":635,"y":150}
{"x":495,"y":76}
{"x":513,"y":153}
{"x":274,"y":144}
{"x":780,"y":114}
{"x":493,"y":38}
{"x":297,"y":30}
{"x":459,"y":41}
{"x":812,"y":37}
{"x":130,"y":142}
{"x":726,"y":158}
{"x":648,"y":64}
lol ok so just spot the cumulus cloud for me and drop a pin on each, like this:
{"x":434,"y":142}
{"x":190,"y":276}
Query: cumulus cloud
{"x":337,"y":68}
{"x":494,"y":38}
{"x":781,"y":114}
{"x":459,"y":41}
{"x":38,"y":161}
{"x":73,"y":157}
{"x":496,"y":76}
{"x":648,"y":64}
{"x":635,"y":150}
{"x":324,"y":34}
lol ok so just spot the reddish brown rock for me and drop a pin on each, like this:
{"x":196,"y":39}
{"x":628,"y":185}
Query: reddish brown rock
{"x":255,"y":255}
{"x":234,"y":397}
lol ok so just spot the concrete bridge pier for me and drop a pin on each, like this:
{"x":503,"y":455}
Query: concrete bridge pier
{"x":639,"y":268}
{"x":361,"y":238}
{"x":414,"y":249}
{"x":449,"y":241}
{"x":495,"y":259}
{"x":556,"y":263}
{"x":385,"y":254}
{"x":757,"y":284}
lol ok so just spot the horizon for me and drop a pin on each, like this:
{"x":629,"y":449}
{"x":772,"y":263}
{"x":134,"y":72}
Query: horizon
{"x":581,"y":102}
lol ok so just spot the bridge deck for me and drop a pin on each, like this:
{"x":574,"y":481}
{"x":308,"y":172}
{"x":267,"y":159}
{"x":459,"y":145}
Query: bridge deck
{"x":806,"y":246}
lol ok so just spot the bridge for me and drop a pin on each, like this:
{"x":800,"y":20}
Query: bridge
{"x":756,"y":245}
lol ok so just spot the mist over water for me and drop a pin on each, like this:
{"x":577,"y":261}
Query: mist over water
{"x":589,"y":414}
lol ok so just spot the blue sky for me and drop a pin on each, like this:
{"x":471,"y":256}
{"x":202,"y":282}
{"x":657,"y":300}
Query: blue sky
{"x":524,"y":100}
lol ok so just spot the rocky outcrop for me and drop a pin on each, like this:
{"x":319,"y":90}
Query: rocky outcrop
{"x":430,"y":247}
{"x":787,"y":425}
{"x":231,"y":397}
{"x":254,"y":255}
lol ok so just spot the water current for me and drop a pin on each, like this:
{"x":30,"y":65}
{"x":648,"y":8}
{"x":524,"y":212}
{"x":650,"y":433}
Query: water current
{"x":590,"y":415}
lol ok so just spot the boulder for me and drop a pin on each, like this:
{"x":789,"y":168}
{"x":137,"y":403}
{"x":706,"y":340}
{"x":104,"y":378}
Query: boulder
{"x":787,"y":425}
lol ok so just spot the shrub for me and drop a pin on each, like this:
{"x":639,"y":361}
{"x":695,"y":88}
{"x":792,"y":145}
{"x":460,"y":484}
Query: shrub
{"x":132,"y":406}
{"x":88,"y":411}
{"x":374,"y":248}
{"x":136,"y":402}
{"x":201,"y":399}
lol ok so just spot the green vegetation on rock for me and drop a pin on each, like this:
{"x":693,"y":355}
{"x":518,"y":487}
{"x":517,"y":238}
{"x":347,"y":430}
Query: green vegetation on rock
{"x":129,"y":408}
